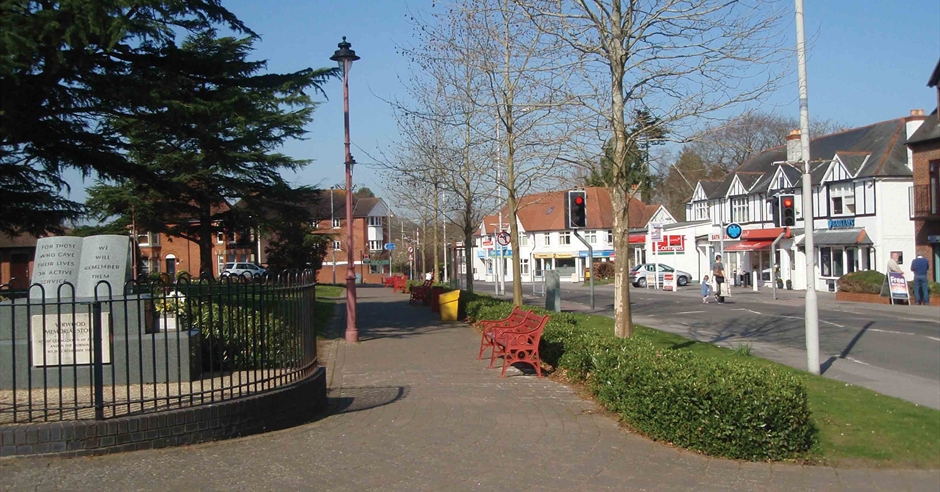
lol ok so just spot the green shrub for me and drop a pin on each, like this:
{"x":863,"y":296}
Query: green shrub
{"x":723,"y":407}
{"x":236,"y":338}
{"x":862,"y":282}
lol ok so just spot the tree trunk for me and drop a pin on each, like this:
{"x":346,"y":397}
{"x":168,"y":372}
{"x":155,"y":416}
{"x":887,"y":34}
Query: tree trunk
{"x":620,"y":188}
{"x":205,"y":243}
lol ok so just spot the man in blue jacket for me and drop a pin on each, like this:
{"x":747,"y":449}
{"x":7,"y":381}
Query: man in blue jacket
{"x":919,"y":266}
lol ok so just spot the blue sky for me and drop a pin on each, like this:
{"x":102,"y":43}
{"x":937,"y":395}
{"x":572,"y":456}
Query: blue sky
{"x":869,"y":61}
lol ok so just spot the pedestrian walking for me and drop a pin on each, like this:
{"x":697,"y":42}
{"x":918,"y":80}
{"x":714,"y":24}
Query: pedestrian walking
{"x":718,"y":271}
{"x":706,"y":289}
{"x":919,"y":266}
{"x":428,"y":276}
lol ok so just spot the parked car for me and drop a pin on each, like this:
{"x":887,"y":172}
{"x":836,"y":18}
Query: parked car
{"x":242,"y":270}
{"x":638,"y":274}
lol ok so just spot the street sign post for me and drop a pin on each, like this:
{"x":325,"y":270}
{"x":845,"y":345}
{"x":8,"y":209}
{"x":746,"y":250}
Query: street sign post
{"x":366,"y":260}
{"x":503,"y":238}
{"x":389,"y":246}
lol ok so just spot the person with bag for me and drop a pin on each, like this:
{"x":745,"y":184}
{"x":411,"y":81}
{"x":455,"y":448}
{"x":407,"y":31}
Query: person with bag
{"x":718,"y":273}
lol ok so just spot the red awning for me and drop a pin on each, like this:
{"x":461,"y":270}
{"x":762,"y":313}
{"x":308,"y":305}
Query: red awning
{"x":749,"y":246}
{"x":637,"y":238}
{"x":761,"y":234}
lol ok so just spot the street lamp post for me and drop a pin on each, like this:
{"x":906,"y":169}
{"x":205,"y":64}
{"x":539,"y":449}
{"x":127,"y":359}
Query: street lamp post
{"x":345,"y":57}
{"x":332,"y":226}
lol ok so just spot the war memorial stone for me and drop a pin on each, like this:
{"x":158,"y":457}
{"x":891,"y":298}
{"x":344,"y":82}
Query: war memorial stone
{"x":48,"y":336}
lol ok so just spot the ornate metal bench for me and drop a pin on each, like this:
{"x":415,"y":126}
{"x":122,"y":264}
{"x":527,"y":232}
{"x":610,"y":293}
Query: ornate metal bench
{"x":519,"y":343}
{"x":515,"y":318}
{"x":421,"y":293}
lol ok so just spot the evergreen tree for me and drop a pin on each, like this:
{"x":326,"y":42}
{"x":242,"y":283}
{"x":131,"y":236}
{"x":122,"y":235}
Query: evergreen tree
{"x":211,"y":141}
{"x":65,"y":66}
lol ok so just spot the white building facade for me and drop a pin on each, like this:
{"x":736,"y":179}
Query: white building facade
{"x":861,"y":181}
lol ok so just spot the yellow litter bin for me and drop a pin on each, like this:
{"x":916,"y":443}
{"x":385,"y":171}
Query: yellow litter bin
{"x":449,"y":302}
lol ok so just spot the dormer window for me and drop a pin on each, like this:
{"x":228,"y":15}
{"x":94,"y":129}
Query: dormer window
{"x":842,"y":199}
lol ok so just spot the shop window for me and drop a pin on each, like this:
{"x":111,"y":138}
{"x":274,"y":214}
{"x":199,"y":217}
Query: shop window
{"x":838,"y":269}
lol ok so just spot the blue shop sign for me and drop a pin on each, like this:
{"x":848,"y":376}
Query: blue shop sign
{"x":842,"y":223}
{"x":597,"y":254}
{"x":495,"y":253}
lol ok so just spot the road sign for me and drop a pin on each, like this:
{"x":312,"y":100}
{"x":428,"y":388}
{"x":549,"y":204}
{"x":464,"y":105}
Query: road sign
{"x":733,"y":230}
{"x":389,"y":246}
{"x":411,"y":249}
{"x":503,"y":238}
{"x":656,"y":231}
{"x":366,"y":260}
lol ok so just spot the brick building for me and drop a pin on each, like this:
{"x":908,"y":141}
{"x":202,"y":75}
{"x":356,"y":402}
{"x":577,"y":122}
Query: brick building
{"x":370,"y":233}
{"x":924,"y":146}
{"x":16,"y":259}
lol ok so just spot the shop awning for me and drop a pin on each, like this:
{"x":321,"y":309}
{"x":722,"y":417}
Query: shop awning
{"x":839,"y":237}
{"x":749,"y":246}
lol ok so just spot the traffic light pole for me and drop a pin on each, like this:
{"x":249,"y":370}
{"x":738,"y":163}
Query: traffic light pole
{"x":590,"y":263}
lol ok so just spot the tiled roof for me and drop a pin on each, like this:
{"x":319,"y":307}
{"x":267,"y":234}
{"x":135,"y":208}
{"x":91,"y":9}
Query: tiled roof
{"x":929,"y":129}
{"x":546,"y":212}
{"x":710,"y":188}
{"x":24,"y":240}
{"x":853,"y":160}
{"x":883,"y":141}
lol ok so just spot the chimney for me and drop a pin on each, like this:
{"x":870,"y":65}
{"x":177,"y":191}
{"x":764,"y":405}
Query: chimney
{"x":794,"y":149}
{"x":911,"y":124}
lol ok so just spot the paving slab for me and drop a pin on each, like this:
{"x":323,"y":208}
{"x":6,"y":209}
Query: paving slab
{"x":412,"y":409}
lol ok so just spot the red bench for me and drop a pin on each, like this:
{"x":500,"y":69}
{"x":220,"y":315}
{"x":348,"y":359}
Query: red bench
{"x":515,"y":318}
{"x":421,"y":293}
{"x":400,"y":283}
{"x":519,"y":343}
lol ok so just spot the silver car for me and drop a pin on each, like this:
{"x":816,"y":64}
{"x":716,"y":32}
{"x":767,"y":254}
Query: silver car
{"x":244,"y":269}
{"x":639,"y":272}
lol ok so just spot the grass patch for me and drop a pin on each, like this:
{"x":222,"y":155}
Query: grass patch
{"x":856,"y":426}
{"x":325,"y":290}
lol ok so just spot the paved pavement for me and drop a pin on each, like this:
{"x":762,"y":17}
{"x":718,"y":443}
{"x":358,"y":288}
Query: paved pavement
{"x":894,"y":350}
{"x":412,"y":409}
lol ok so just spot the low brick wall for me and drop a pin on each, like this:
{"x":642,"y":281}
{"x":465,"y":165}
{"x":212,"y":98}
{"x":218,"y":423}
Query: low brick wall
{"x":277,"y":409}
{"x":874,"y":298}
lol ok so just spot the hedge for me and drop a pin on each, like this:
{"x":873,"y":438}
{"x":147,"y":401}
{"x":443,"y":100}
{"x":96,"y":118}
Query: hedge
{"x":722,"y":407}
{"x":871,"y":281}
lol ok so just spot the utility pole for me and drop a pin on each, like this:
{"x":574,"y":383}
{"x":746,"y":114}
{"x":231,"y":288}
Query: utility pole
{"x":812,"y":310}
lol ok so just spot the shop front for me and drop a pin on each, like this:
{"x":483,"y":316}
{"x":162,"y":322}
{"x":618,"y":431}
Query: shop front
{"x":839,"y":252}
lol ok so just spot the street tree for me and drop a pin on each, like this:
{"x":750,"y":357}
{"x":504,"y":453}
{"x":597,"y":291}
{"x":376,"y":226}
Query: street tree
{"x":680,"y":60}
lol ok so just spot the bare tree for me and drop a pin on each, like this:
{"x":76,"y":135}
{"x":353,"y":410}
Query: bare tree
{"x":680,"y":60}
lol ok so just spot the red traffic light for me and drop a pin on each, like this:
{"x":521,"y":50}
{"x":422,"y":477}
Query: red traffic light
{"x":787,"y":202}
{"x":579,"y":200}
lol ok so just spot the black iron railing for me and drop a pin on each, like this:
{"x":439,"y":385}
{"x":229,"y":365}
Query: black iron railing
{"x":154,"y":346}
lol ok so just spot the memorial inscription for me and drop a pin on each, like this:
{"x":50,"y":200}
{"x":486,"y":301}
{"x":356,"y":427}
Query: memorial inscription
{"x":83,"y":262}
{"x":66,"y":339}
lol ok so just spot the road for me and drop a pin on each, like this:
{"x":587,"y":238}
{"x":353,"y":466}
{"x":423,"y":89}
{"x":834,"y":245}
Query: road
{"x":894,"y":350}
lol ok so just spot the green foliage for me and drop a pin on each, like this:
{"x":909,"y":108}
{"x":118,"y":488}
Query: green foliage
{"x":724,"y":407}
{"x":64,"y":66}
{"x":296,"y":248}
{"x":236,"y":338}
{"x":863,"y":282}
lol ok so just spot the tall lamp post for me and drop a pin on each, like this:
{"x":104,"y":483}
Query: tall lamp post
{"x":345,"y":57}
{"x":333,"y":226}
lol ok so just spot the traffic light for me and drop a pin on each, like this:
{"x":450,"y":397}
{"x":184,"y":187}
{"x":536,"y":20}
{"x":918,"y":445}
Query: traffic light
{"x":774,"y":203}
{"x":577,"y":209}
{"x":787,"y":211}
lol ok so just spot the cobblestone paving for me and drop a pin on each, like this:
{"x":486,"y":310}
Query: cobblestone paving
{"x":412,"y":409}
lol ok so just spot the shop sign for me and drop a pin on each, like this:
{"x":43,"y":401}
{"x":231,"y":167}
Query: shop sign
{"x":597,"y":254}
{"x":671,"y":245}
{"x":842,"y":223}
{"x":669,"y":281}
{"x":502,"y":252}
{"x":898,"y":287}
